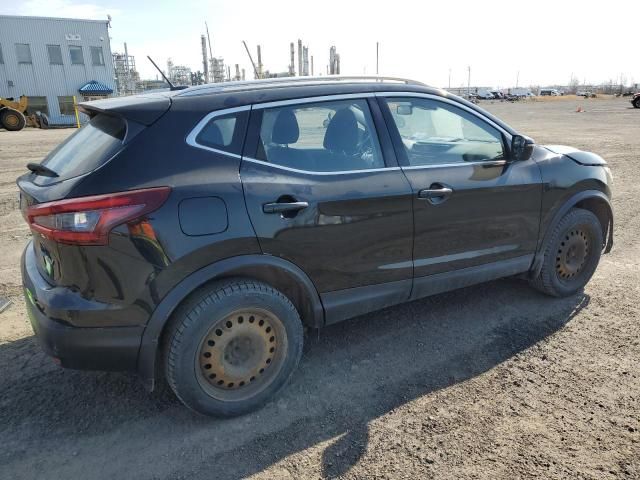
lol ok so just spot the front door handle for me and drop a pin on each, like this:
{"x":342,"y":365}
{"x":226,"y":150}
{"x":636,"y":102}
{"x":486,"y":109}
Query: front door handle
{"x":282,"y":207}
{"x":435,"y":195}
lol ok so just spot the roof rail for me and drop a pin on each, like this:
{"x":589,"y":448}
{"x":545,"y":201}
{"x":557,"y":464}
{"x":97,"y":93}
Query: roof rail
{"x":239,"y":85}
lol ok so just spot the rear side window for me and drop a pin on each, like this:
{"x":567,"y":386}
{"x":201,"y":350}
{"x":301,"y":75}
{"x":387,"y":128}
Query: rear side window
{"x":332,"y":136}
{"x":224,"y":133}
{"x":87,"y":149}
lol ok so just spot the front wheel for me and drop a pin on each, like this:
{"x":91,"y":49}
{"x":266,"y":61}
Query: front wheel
{"x":12,"y":120}
{"x":636,"y":102}
{"x":232,"y":347}
{"x":571,"y":254}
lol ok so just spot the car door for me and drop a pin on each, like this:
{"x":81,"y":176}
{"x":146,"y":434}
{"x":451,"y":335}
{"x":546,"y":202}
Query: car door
{"x":472,"y":206}
{"x":321,"y":194}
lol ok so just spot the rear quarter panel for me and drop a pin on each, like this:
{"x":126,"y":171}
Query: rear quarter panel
{"x":146,"y":259}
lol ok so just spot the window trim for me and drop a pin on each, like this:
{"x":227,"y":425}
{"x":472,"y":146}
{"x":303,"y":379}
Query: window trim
{"x":191,"y":137}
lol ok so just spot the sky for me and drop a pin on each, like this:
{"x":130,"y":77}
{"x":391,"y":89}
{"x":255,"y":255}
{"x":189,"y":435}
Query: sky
{"x":502,"y":42}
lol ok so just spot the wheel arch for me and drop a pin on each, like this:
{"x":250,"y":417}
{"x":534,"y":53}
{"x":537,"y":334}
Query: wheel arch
{"x":596,"y":202}
{"x":277,"y":272}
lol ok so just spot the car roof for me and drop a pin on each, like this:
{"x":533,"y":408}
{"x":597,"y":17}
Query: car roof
{"x":203,"y":99}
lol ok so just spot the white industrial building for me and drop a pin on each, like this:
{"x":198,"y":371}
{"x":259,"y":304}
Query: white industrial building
{"x":50,"y":60}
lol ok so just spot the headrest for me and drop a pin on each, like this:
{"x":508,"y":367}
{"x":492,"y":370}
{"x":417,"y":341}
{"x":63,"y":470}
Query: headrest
{"x":285,"y":128}
{"x":342,"y":132}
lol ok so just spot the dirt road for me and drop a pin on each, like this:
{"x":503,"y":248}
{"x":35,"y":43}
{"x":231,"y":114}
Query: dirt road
{"x":493,"y":381}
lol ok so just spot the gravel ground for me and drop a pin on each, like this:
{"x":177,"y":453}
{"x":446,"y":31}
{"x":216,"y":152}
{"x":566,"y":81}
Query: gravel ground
{"x":493,"y":381}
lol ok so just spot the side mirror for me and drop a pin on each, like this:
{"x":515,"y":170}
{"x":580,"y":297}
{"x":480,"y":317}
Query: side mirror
{"x":521,"y":147}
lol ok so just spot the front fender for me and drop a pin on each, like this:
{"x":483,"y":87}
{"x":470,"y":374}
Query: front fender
{"x":562,"y":210}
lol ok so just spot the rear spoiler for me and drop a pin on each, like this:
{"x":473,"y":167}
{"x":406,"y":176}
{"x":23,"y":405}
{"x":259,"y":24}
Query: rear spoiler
{"x":144,"y":109}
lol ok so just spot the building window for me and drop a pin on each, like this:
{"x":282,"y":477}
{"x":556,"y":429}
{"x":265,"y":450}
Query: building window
{"x":55,"y":54}
{"x":66,"y":105}
{"x":1,"y":57}
{"x":76,"y":55}
{"x":97,"y":58}
{"x":37,"y":104}
{"x":23,"y":52}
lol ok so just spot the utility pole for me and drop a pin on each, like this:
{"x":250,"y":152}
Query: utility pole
{"x":377,"y":57}
{"x":517,"y":78}
{"x":469,"y":82}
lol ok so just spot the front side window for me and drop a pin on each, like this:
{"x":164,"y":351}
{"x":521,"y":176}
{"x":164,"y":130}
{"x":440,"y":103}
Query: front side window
{"x":75,"y":51}
{"x":55,"y":54}
{"x":224,"y":132}
{"x":329,"y":136}
{"x":66,"y":105}
{"x":97,"y":57}
{"x":23,"y":52}
{"x":436,"y":133}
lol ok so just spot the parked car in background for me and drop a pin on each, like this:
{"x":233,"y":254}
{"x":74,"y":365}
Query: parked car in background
{"x":549,"y":92}
{"x":485,"y":95}
{"x":193,"y":234}
{"x":585,"y":94}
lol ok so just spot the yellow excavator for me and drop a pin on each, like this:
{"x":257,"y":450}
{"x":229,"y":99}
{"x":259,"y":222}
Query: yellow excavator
{"x":12,"y":113}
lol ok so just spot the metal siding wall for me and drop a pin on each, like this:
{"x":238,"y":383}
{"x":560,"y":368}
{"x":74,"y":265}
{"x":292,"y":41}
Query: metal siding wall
{"x":51,"y":81}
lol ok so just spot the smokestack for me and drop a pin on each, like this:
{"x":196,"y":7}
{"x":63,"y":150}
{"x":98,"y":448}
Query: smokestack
{"x":243,"y":74}
{"x":205,"y":63}
{"x":332,"y":60}
{"x":299,"y":57}
{"x":312,"y":65}
{"x":292,"y":65}
{"x":305,"y":61}
{"x":237,"y":77}
{"x":259,"y":62}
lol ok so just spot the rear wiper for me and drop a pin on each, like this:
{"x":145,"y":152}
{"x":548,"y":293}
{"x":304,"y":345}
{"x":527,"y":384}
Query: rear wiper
{"x":39,"y":169}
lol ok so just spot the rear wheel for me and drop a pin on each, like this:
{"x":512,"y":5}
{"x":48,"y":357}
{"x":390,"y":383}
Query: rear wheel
{"x":232,"y":346}
{"x":636,"y":102}
{"x":571,"y":255}
{"x":12,"y":119}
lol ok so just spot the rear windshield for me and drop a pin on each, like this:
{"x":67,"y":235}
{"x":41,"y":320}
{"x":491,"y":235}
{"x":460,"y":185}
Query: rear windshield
{"x":86,"y":149}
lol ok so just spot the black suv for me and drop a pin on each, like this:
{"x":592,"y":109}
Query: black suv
{"x":193,"y":234}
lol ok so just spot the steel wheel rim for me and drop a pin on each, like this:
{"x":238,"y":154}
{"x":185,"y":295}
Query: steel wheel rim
{"x":11,"y":120}
{"x":573,"y":253}
{"x":241,"y":354}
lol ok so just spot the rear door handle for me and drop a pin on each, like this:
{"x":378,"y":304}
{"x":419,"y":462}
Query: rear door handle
{"x":281,"y":207}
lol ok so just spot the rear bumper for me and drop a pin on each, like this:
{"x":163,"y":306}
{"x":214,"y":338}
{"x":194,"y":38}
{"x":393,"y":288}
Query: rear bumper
{"x":90,"y":348}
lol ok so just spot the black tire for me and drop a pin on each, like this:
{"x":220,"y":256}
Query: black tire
{"x":12,"y":120}
{"x":636,"y":102}
{"x":239,"y":387}
{"x":564,"y":269}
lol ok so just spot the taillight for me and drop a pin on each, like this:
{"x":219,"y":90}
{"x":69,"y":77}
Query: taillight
{"x":88,"y":220}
